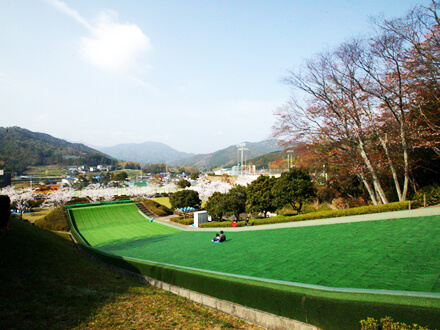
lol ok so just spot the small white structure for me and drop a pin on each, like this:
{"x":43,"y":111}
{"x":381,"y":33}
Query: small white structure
{"x":200,"y":217}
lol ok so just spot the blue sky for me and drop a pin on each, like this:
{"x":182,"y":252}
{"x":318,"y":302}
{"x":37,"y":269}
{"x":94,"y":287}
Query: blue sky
{"x":196,"y":75}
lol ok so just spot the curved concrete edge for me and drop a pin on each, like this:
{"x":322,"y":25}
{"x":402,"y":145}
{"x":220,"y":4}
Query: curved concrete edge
{"x":254,"y":316}
{"x":267,"y":320}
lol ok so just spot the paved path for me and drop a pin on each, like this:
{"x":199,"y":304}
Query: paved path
{"x":329,"y":221}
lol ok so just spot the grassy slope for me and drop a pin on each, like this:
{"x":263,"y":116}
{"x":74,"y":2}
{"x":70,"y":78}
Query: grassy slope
{"x":399,"y":254}
{"x":36,"y":215}
{"x":164,"y":201}
{"x":46,"y":284}
{"x":102,"y":225}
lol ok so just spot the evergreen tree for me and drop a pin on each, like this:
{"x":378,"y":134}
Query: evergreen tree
{"x":236,"y":201}
{"x":259,"y":195}
{"x":216,"y":205}
{"x":293,"y":188}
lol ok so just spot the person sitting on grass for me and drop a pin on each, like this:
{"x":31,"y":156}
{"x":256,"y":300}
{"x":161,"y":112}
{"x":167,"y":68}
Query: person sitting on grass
{"x":222,"y":237}
{"x":216,"y":238}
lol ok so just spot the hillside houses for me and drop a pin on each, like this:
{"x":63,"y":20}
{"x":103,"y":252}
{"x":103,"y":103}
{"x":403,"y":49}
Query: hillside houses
{"x":84,"y":169}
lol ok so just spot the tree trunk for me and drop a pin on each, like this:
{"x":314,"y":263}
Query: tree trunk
{"x":368,"y":187}
{"x":405,"y":163}
{"x":392,"y":169}
{"x":376,"y":182}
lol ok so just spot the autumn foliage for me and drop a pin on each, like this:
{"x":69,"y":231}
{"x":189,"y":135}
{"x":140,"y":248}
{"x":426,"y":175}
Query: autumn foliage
{"x":367,"y":106}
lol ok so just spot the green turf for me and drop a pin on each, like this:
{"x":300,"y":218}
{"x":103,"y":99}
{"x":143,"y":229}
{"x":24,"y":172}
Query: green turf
{"x":400,"y":254}
{"x":115,"y":223}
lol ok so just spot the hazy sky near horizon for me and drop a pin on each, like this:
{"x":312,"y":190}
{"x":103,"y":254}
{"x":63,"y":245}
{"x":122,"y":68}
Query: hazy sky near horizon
{"x":198,"y":75}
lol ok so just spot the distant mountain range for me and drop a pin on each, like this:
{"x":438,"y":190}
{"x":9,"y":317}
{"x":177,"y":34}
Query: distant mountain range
{"x":147,"y":152}
{"x":229,"y":156}
{"x":155,"y":152}
{"x":21,"y":148}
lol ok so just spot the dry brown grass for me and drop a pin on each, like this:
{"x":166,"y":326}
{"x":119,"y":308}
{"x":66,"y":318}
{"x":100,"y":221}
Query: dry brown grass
{"x":36,"y":214}
{"x":47,"y":284}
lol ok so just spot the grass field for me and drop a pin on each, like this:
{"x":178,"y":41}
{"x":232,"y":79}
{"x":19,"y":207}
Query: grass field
{"x":399,"y":254}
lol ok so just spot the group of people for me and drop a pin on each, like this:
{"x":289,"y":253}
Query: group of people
{"x":219,"y":237}
{"x":234,"y":223}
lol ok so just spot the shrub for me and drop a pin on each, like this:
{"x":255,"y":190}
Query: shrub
{"x":432,"y":194}
{"x":308,"y":209}
{"x":183,"y":184}
{"x":323,"y":207}
{"x":183,"y":221}
{"x":56,"y":220}
{"x":4,"y":210}
{"x":388,"y":323}
{"x":162,"y":194}
{"x":158,"y":209}
{"x":78,"y":200}
{"x":36,"y":202}
{"x":121,"y":198}
{"x":214,"y":224}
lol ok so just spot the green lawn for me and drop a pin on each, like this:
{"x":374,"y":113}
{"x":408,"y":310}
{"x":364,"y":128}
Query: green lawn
{"x":399,"y":254}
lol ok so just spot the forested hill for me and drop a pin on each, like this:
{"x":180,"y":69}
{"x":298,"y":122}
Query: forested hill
{"x":229,"y":156}
{"x":20,"y":148}
{"x":263,"y":161}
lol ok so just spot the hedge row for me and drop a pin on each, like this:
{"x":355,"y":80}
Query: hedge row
{"x":398,"y":206}
{"x":226,"y":223}
{"x":158,"y":209}
{"x":183,"y":221}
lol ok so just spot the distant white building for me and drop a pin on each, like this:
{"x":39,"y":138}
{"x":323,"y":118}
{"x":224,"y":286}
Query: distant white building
{"x":222,"y":171}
